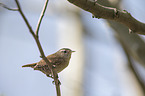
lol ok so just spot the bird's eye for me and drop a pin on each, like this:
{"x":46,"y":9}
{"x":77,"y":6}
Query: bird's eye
{"x":64,"y":51}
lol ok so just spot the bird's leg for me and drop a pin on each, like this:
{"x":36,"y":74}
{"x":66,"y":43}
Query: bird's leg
{"x":53,"y":78}
{"x":49,"y":75}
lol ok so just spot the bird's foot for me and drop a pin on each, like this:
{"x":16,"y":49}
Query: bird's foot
{"x":58,"y":82}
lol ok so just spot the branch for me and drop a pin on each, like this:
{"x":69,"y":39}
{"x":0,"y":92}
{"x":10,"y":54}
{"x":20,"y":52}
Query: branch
{"x":133,"y":42}
{"x":4,"y":6}
{"x":109,"y":13}
{"x":54,"y":74}
{"x":132,"y":65}
{"x":41,"y":17}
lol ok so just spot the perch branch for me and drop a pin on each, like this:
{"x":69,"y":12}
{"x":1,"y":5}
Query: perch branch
{"x":54,"y":74}
{"x":100,"y":11}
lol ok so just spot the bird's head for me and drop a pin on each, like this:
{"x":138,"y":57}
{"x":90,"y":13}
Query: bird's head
{"x":65,"y":52}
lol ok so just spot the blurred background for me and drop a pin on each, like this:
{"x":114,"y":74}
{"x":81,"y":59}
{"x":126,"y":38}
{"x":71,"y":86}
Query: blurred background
{"x":108,"y":60}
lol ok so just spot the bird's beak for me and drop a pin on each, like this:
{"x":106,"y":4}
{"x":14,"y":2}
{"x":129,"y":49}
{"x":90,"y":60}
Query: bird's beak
{"x":73,"y":51}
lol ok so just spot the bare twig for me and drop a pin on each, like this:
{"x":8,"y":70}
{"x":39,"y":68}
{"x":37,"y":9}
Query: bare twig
{"x":41,"y":17}
{"x":25,"y":19}
{"x":109,"y":13}
{"x":54,"y":74}
{"x":3,"y":5}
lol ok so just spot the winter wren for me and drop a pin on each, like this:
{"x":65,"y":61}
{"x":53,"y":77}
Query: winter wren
{"x":59,"y":61}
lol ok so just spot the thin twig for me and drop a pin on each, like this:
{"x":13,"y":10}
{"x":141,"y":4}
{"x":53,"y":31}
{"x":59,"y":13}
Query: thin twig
{"x":54,"y":74}
{"x":25,"y":19}
{"x":4,"y":6}
{"x":41,"y":17}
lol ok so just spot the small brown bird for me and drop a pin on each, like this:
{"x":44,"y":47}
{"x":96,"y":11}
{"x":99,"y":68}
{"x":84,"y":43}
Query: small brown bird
{"x":59,"y":61}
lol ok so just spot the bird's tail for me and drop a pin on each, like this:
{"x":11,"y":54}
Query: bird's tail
{"x":30,"y":65}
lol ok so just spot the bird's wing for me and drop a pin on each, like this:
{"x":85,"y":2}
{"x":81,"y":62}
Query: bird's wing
{"x":53,"y":59}
{"x":56,"y":61}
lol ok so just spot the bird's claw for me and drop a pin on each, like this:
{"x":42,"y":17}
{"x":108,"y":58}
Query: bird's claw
{"x":58,"y":82}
